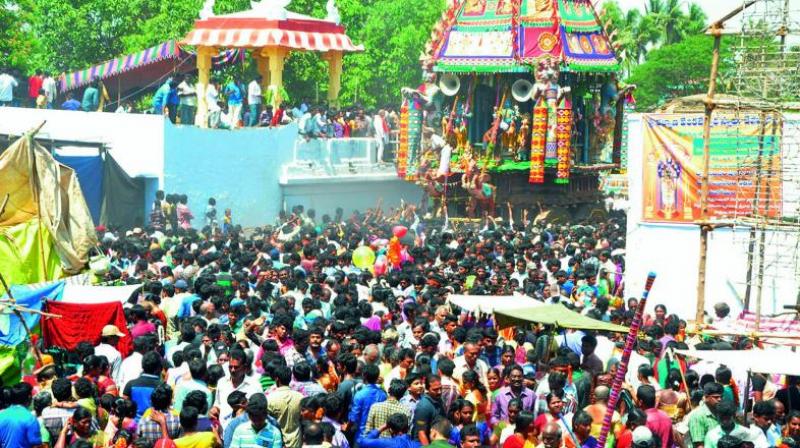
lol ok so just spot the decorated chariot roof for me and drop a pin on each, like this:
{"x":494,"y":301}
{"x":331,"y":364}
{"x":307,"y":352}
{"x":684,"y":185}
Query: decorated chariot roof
{"x":507,"y":36}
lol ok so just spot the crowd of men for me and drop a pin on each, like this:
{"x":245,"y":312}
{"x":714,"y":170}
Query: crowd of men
{"x":275,"y":338}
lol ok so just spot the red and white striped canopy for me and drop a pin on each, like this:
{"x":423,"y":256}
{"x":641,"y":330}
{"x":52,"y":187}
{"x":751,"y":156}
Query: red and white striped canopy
{"x":247,"y":30}
{"x":257,"y":38}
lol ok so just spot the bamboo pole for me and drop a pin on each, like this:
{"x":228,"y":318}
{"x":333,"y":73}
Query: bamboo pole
{"x":21,"y":319}
{"x":705,"y":229}
{"x":751,"y":246}
{"x":763,"y":236}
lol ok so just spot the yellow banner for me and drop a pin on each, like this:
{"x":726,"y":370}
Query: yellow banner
{"x":744,"y":168}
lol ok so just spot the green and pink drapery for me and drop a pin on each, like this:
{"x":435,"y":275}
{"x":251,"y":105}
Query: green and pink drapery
{"x":143,"y":70}
{"x":167,"y":51}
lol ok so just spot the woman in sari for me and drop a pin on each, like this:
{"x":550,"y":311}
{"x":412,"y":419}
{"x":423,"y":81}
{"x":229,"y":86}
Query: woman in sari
{"x":673,"y":400}
{"x":496,"y":380}
{"x":524,"y":432}
{"x":79,"y":428}
{"x":475,"y":392}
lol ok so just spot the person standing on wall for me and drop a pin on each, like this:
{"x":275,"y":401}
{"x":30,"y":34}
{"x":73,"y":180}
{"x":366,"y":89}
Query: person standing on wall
{"x":212,"y":99}
{"x":50,"y":89}
{"x":34,"y":84}
{"x":254,"y":100}
{"x":234,"y":95}
{"x":7,"y":85}
{"x":91,"y":98}
{"x":187,"y":95}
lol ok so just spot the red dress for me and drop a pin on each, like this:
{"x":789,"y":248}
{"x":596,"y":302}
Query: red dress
{"x":515,"y":441}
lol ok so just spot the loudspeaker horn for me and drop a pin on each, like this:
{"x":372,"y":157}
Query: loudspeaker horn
{"x":450,"y":84}
{"x":521,"y":90}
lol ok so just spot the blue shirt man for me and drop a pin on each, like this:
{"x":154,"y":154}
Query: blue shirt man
{"x":18,"y":427}
{"x":365,"y":397}
{"x":71,"y":104}
{"x":374,"y":440}
{"x":233,"y":93}
{"x":91,"y":99}
{"x":163,"y":95}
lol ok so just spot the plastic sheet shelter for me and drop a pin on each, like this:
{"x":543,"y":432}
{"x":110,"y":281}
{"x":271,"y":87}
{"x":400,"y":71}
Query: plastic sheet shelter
{"x":45,"y":225}
{"x":778,"y":361}
{"x":489,"y":304}
{"x":556,"y":315}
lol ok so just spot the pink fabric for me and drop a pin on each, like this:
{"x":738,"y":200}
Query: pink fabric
{"x":659,"y":423}
{"x":373,"y":323}
{"x":142,"y":328}
{"x":184,"y":216}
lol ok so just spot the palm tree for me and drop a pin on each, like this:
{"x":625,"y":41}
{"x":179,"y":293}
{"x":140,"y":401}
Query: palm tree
{"x":694,"y":22}
{"x":646,"y":34}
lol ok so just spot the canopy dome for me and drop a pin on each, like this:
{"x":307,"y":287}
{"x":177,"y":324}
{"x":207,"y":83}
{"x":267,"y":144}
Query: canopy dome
{"x":270,"y":26}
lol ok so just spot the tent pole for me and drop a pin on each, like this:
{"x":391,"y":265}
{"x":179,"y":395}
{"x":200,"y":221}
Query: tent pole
{"x":3,"y":205}
{"x":37,"y":192}
{"x":746,"y":399}
{"x":21,"y":319}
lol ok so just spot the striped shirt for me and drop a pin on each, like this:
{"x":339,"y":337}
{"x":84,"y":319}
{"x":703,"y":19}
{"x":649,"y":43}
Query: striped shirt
{"x":246,"y":436}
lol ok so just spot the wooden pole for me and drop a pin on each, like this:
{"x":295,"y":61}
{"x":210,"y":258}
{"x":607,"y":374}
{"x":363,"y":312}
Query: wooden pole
{"x":776,"y":122}
{"x":751,"y":246}
{"x":21,"y":319}
{"x":705,"y":229}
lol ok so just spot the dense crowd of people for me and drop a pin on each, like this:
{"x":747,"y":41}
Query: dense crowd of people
{"x":277,"y":338}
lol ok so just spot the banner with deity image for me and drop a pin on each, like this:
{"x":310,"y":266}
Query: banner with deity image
{"x":744,"y":168}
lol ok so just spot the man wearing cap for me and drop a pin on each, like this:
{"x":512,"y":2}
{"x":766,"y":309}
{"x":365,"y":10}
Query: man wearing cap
{"x":642,"y":437}
{"x":109,"y":338}
{"x":260,"y":430}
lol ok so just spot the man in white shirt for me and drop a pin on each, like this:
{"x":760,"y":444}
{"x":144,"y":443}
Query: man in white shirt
{"x":237,"y":380}
{"x":187,"y":97}
{"x":254,"y":100}
{"x":212,"y":99}
{"x":470,"y":361}
{"x":7,"y":86}
{"x":131,"y":366}
{"x":382,"y":137}
{"x":108,"y":348}
{"x":50,"y":89}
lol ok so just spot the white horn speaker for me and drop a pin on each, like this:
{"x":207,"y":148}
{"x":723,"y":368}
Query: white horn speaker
{"x":450,"y":84}
{"x":521,"y":90}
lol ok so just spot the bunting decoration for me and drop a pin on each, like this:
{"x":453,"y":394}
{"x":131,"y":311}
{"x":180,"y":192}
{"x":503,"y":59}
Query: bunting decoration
{"x":538,"y":137}
{"x":564,"y":141}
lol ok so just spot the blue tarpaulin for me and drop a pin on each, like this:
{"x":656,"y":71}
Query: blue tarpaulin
{"x":12,"y":332}
{"x":90,"y":175}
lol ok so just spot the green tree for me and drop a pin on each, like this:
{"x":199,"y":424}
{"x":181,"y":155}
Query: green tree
{"x":17,"y":45}
{"x":77,"y":33}
{"x":74,"y":34}
{"x":394,"y":34}
{"x":677,"y":70}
